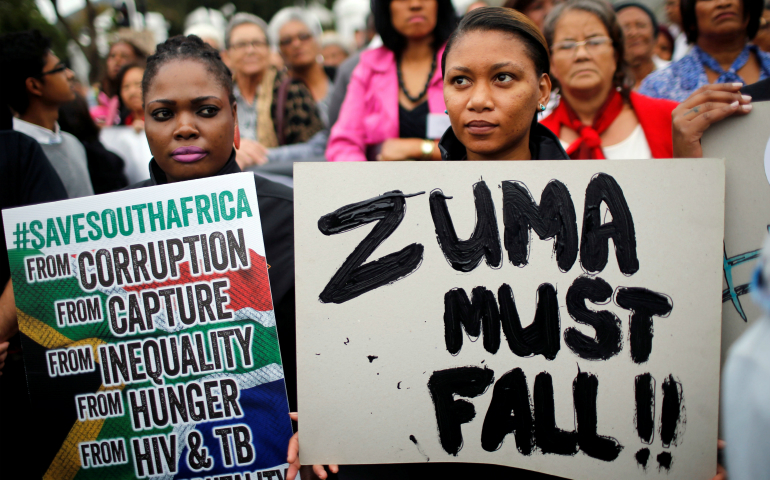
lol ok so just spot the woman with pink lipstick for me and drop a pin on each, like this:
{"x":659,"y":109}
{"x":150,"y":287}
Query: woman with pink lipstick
{"x":721,"y":31}
{"x":191,"y":124}
{"x":599,"y":117}
{"x":395,"y":93}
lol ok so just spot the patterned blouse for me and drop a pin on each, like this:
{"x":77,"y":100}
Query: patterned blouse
{"x":688,"y":74}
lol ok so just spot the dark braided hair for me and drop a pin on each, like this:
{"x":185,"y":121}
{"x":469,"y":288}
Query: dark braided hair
{"x":188,"y":48}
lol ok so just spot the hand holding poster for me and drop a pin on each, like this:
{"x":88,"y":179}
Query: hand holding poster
{"x":148,"y":327}
{"x":562,"y":317}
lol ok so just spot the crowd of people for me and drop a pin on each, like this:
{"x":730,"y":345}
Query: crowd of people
{"x":534,"y":80}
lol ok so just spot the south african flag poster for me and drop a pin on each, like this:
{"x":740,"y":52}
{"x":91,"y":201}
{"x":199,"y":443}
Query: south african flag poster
{"x":147,"y":324}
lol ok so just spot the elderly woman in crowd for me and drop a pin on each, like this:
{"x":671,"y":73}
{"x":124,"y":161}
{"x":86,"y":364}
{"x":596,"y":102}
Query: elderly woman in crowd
{"x":334,"y":49}
{"x":721,"y":31}
{"x":273,"y":109}
{"x":598,"y":116}
{"x":297,"y":33}
{"x":640,"y":30}
{"x":396,"y":90}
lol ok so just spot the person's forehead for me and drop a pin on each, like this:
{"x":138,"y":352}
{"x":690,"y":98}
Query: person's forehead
{"x":182,"y":80}
{"x":293,"y":25}
{"x":499,"y":47}
{"x":51,"y":58}
{"x":247,"y":31}
{"x":633,"y":14}
{"x":579,"y":21}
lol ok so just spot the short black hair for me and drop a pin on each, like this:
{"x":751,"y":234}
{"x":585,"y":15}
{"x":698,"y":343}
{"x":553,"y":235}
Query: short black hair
{"x":506,"y":20}
{"x":22,"y":55}
{"x":446,"y":20}
{"x":190,"y":47}
{"x":752,"y":9}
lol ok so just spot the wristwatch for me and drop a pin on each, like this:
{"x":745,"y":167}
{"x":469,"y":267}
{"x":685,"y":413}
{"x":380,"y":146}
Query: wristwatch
{"x":427,"y":149}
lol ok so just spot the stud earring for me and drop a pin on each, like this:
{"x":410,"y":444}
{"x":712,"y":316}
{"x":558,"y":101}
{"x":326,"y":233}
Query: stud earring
{"x":446,"y":112}
{"x":541,"y":107}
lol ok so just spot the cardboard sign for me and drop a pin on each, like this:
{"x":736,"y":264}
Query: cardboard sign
{"x":147,"y":321}
{"x":744,"y":143}
{"x":562,"y":317}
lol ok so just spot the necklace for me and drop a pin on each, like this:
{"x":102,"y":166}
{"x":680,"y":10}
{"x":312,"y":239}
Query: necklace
{"x":424,"y":90}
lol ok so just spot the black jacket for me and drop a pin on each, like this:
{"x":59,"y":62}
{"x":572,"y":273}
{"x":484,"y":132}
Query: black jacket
{"x":276,"y":212}
{"x":543,"y":144}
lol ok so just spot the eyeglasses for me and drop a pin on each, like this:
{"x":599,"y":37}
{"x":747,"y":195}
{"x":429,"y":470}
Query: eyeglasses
{"x":302,"y":37}
{"x":245,"y":45}
{"x":569,"y":47}
{"x":57,"y":69}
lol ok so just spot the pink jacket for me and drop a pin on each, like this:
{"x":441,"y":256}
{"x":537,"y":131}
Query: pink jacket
{"x":369,"y":113}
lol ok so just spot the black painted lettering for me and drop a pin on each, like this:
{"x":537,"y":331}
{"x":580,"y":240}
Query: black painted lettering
{"x":484,"y":242}
{"x":608,"y":341}
{"x":354,"y":278}
{"x":554,"y":218}
{"x":451,"y":414}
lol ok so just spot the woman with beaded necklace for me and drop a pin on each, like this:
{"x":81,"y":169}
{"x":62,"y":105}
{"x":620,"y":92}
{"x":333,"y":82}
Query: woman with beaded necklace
{"x":395,"y":88}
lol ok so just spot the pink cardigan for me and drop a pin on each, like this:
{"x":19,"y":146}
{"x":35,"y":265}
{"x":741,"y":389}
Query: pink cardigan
{"x":369,"y":113}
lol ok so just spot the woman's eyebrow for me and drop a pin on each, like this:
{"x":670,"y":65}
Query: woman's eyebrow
{"x":510,"y":65}
{"x":163,"y":101}
{"x":204,"y":98}
{"x":461,"y":69}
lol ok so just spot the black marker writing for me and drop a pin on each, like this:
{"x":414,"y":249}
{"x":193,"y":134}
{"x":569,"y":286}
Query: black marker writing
{"x":644,"y":304}
{"x":608,"y":340}
{"x":548,"y":437}
{"x":465,"y":255}
{"x":509,"y":412}
{"x":594,"y":248}
{"x":450,"y":413}
{"x":584,"y":391}
{"x":481,"y":315}
{"x":644,"y":392}
{"x":553,"y":218}
{"x":352,"y":278}
{"x":672,"y":415}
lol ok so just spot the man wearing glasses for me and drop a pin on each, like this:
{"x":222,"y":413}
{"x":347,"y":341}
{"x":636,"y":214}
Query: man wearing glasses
{"x":35,"y":83}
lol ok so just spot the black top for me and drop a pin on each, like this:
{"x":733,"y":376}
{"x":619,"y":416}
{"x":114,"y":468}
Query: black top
{"x":104,"y":167}
{"x":543,"y":145}
{"x":26,"y":178}
{"x":760,"y":91}
{"x":276,"y":212}
{"x":413,"y":123}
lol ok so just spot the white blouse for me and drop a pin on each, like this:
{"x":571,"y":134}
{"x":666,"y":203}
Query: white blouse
{"x":634,"y":147}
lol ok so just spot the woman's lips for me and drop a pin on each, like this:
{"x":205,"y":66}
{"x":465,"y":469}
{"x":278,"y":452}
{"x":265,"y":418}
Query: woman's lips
{"x":725,"y":15}
{"x":479,"y":127}
{"x":417,"y":19}
{"x":188,"y":154}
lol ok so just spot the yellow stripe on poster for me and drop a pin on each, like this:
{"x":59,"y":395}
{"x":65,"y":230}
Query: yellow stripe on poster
{"x":66,"y":464}
{"x":48,"y":337}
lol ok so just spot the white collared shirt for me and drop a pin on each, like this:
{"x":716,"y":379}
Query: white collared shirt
{"x":42,"y":135}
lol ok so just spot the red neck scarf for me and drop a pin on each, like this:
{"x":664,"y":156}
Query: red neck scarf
{"x":589,"y":145}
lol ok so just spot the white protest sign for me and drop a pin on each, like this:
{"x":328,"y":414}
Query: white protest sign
{"x":744,"y":143}
{"x":583,"y":356}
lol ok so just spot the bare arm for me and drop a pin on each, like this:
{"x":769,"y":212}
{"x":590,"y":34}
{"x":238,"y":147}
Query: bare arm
{"x":8,"y":323}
